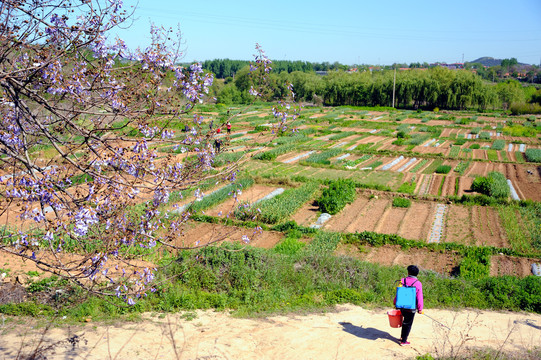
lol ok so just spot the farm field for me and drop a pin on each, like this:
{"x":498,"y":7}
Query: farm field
{"x":361,"y":146}
{"x":414,"y":200}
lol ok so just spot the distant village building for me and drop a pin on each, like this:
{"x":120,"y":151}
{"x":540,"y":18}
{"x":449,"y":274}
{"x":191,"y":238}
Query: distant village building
{"x":453,"y":66}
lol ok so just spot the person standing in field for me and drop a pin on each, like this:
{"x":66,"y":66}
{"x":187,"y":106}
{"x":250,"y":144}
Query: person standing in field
{"x":228,"y":126}
{"x":407,"y":314}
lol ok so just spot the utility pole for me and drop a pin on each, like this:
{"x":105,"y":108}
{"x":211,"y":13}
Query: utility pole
{"x":394,"y":83}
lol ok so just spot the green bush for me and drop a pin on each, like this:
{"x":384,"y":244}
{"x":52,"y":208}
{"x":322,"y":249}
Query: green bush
{"x":401,"y":202}
{"x":443,"y":169}
{"x":475,"y":146}
{"x":334,"y":198}
{"x":475,"y":264}
{"x":493,"y":185}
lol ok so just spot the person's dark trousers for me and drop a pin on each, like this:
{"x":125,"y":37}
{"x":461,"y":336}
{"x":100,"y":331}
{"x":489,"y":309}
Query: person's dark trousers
{"x":407,"y":321}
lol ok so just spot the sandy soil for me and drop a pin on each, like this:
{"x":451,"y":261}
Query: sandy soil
{"x":527,"y":185}
{"x":346,"y":332}
{"x":341,"y":221}
{"x":449,"y":185}
{"x":435,"y":184}
{"x":391,"y":221}
{"x":487,"y":230}
{"x":456,"y":229}
{"x":203,"y":233}
{"x":369,"y":216}
{"x":418,"y":218}
{"x":509,"y":265}
{"x":306,"y":215}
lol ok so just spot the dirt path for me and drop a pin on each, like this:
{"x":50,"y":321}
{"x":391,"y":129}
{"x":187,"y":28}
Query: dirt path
{"x":346,"y":332}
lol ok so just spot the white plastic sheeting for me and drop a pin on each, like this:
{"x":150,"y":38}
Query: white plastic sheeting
{"x":392,"y":163}
{"x":514,"y":194}
{"x":301,"y":156}
{"x":323,"y":218}
{"x":406,"y":165}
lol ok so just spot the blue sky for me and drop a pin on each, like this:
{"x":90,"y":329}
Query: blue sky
{"x":350,"y":32}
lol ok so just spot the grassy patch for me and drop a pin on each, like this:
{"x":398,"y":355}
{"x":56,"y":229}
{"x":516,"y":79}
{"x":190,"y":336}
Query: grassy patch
{"x":401,"y":202}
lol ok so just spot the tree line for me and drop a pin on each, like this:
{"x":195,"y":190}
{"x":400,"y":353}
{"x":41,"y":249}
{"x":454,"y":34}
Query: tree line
{"x":224,"y":68}
{"x":416,"y":88}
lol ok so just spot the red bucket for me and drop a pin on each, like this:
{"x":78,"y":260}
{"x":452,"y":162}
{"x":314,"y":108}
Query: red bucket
{"x":395,"y":318}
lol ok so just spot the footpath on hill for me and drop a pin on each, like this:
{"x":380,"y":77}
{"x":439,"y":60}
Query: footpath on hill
{"x":347,"y":332}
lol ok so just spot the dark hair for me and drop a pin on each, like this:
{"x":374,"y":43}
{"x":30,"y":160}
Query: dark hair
{"x":413,"y":270}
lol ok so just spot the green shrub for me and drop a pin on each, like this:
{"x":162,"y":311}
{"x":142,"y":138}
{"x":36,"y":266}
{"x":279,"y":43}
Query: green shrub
{"x":443,"y":169}
{"x":476,"y":263}
{"x":475,"y":146}
{"x":493,"y":185}
{"x":401,"y":202}
{"x":460,"y":141}
{"x":475,"y":131}
{"x":334,"y":198}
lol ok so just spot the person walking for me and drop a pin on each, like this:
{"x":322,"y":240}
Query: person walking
{"x":409,"y":314}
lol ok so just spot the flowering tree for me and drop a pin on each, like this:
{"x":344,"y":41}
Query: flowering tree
{"x":77,"y":106}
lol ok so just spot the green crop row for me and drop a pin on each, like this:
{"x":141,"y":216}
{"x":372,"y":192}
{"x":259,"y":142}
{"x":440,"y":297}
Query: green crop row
{"x":355,"y":162}
{"x":533,"y":155}
{"x":432,"y":167}
{"x":280,"y":207}
{"x":375,"y":164}
{"x":462,"y":167}
{"x":419,"y":166}
{"x":221,"y":195}
{"x":322,"y":157}
{"x":227,"y":157}
{"x":342,"y":135}
{"x":277,"y":151}
{"x":455,"y":150}
{"x":498,"y":144}
{"x":492,"y":155}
